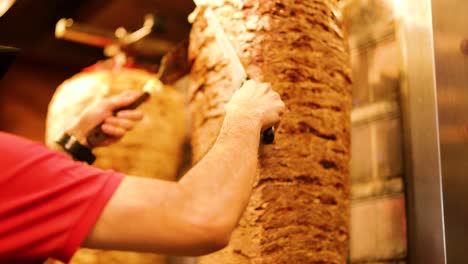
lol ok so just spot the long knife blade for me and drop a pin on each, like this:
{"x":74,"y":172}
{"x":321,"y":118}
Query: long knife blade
{"x":237,"y":69}
{"x":238,"y":73}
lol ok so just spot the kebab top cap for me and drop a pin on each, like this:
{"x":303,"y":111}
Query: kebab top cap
{"x":7,"y":56}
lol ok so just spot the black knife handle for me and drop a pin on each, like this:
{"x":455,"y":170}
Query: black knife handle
{"x":96,"y":135}
{"x":142,"y":98}
{"x":268,"y":136}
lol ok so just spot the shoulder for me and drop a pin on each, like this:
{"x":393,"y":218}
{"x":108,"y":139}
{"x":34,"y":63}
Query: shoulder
{"x":21,"y":153}
{"x":47,"y":194}
{"x":31,"y":164}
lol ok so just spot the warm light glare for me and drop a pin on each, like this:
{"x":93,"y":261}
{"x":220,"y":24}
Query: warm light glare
{"x":5,"y":5}
{"x":398,"y":8}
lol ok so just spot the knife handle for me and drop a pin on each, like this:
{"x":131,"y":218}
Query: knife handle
{"x":268,"y":136}
{"x":96,"y":135}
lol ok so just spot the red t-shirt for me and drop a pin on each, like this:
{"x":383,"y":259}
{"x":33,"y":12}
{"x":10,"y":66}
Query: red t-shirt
{"x":48,"y":202}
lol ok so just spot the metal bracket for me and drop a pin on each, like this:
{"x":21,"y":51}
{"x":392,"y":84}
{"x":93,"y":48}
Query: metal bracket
{"x":114,"y":43}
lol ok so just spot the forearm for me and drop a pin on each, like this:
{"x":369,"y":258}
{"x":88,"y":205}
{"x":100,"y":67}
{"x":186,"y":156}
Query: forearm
{"x":221,"y":183}
{"x":197,"y":214}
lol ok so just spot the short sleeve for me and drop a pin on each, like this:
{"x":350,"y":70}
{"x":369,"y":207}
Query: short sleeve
{"x":48,"y":202}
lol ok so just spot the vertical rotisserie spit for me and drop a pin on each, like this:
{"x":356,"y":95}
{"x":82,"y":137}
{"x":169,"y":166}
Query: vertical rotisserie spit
{"x":299,"y":211}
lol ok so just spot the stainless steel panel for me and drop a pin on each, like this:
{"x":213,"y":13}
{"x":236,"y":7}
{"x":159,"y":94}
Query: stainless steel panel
{"x":378,"y":226}
{"x":361,"y":152}
{"x":376,"y":152}
{"x":419,"y":110}
{"x":376,"y":159}
{"x":368,"y":21}
{"x":450,"y":25}
{"x":378,"y":230}
{"x":388,"y":145}
{"x":375,"y":72}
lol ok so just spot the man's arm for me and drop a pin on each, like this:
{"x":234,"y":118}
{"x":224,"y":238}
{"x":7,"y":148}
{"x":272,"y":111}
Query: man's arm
{"x":196,"y":215}
{"x":115,"y":126}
